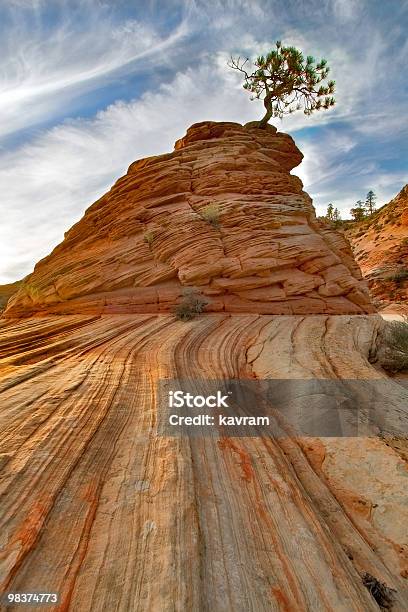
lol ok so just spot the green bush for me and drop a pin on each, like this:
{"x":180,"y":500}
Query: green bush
{"x":148,"y":237}
{"x":394,"y":350}
{"x":399,"y":276}
{"x":211,"y":214}
{"x":192,"y":304}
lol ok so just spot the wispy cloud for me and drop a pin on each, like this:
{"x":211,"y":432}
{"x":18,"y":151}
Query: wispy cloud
{"x":44,"y":68}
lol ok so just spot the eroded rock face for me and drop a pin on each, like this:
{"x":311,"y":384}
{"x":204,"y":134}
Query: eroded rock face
{"x":257,"y":249}
{"x":112,"y":516}
{"x":380,"y":245}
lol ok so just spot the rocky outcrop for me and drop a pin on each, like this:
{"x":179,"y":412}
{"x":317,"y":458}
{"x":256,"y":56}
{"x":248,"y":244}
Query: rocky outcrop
{"x":99,"y":508}
{"x":222,"y":213}
{"x":380,"y":246}
{"x":6,"y":291}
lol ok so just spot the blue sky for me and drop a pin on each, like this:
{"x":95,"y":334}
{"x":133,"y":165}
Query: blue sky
{"x":88,"y":86}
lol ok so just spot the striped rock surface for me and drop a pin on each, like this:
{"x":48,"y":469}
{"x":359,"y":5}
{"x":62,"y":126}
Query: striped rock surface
{"x":98,"y":507}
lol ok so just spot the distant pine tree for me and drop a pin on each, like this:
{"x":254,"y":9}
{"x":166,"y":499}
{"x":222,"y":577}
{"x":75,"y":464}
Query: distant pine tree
{"x":370,"y":202}
{"x":333,"y":216}
{"x":330,"y":212}
{"x":336,"y":218}
{"x":358,"y":212}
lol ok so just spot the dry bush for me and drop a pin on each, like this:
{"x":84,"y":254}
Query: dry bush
{"x":148,"y":237}
{"x":393,"y":353}
{"x":211,"y":214}
{"x":399,"y":275}
{"x":192,"y":304}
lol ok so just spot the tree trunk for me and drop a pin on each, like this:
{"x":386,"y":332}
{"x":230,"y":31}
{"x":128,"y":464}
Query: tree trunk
{"x":268,"y":106}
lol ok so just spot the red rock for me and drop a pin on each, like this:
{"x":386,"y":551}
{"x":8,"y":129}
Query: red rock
{"x":113,"y":516}
{"x":380,"y":245}
{"x":137,"y":247}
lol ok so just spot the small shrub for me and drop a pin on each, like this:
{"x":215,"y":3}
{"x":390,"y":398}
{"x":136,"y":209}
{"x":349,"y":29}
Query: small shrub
{"x":399,"y":276}
{"x":383,"y":595}
{"x":32,"y":291}
{"x":404,"y":241}
{"x":393,"y":353}
{"x":148,"y":237}
{"x":211,"y":214}
{"x":192,"y":304}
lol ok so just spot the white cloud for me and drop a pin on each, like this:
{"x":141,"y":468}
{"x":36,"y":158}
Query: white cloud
{"x":347,"y":9}
{"x":325,"y":159}
{"x":43,"y":71}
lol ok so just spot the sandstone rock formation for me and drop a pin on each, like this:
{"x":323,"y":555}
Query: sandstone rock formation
{"x":262,"y":251}
{"x":6,"y":291}
{"x":380,"y":246}
{"x":96,"y":506}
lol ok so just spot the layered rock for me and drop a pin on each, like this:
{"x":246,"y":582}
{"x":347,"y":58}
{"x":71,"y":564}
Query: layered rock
{"x":6,"y":291}
{"x":99,"y":508}
{"x":380,"y":245}
{"x":222,"y":213}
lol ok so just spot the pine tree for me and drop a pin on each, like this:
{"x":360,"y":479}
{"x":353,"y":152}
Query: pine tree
{"x":336,"y":218}
{"x":358,"y":212}
{"x":330,"y":212}
{"x":370,"y":202}
{"x":287,"y":82}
